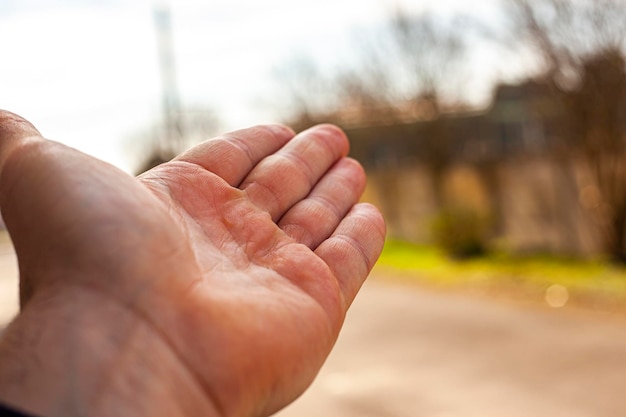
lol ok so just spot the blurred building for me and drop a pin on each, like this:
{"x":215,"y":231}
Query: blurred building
{"x":522,"y":119}
{"x":509,"y":161}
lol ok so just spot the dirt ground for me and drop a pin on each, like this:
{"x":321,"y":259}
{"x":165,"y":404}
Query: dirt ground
{"x":408,"y":351}
{"x":8,"y":282}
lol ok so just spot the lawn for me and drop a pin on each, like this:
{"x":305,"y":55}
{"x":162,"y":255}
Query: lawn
{"x":555,"y":281}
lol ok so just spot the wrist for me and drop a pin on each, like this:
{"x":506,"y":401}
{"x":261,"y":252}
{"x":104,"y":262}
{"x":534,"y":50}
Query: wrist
{"x":81,"y":353}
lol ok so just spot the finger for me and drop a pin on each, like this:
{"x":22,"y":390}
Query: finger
{"x":233,"y":155}
{"x":281,"y":180}
{"x":15,"y":133}
{"x":312,"y":220}
{"x":353,"y":248}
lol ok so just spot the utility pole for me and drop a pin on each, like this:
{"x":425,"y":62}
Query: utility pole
{"x":174,"y":134}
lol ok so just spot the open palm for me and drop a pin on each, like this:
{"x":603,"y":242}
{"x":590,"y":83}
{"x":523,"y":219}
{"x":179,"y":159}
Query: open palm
{"x":226,"y":272}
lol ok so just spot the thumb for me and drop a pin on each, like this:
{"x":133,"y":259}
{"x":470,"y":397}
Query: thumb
{"x":56,"y":201}
{"x":69,"y":212}
{"x":16,"y":133}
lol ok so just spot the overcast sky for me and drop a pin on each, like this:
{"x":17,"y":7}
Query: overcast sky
{"x":86,"y":72}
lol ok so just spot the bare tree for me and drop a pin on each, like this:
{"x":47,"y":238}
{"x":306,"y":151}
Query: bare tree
{"x":198,"y":123}
{"x":565,"y":33}
{"x":580,"y":47}
{"x":428,"y":52}
{"x":404,"y":71}
{"x":598,"y":125}
{"x":306,"y":94}
{"x":407,"y":71}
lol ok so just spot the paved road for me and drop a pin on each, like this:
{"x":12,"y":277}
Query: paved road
{"x":410,"y":352}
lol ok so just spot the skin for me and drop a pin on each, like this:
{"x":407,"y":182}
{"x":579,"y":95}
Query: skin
{"x":212,"y":285}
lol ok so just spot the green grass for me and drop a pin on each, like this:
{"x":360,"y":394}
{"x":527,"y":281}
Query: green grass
{"x":594,"y":284}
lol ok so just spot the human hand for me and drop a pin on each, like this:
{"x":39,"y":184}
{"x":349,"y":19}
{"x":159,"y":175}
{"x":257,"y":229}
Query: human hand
{"x":214,"y":285}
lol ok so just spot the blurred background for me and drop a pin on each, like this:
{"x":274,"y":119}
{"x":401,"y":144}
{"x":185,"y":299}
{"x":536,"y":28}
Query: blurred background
{"x":493,"y":135}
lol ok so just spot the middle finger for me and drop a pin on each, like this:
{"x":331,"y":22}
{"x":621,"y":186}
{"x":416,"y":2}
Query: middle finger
{"x":281,"y":180}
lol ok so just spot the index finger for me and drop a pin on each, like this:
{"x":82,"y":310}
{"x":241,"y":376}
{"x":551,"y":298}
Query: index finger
{"x":233,"y":155}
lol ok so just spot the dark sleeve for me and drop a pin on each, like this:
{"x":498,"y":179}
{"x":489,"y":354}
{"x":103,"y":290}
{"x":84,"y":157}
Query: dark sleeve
{"x":9,"y":412}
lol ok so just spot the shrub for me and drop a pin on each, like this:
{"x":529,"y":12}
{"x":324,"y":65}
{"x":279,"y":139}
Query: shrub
{"x":461,"y":232}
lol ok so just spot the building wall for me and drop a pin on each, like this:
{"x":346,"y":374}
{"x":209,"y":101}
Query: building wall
{"x":539,"y":203}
